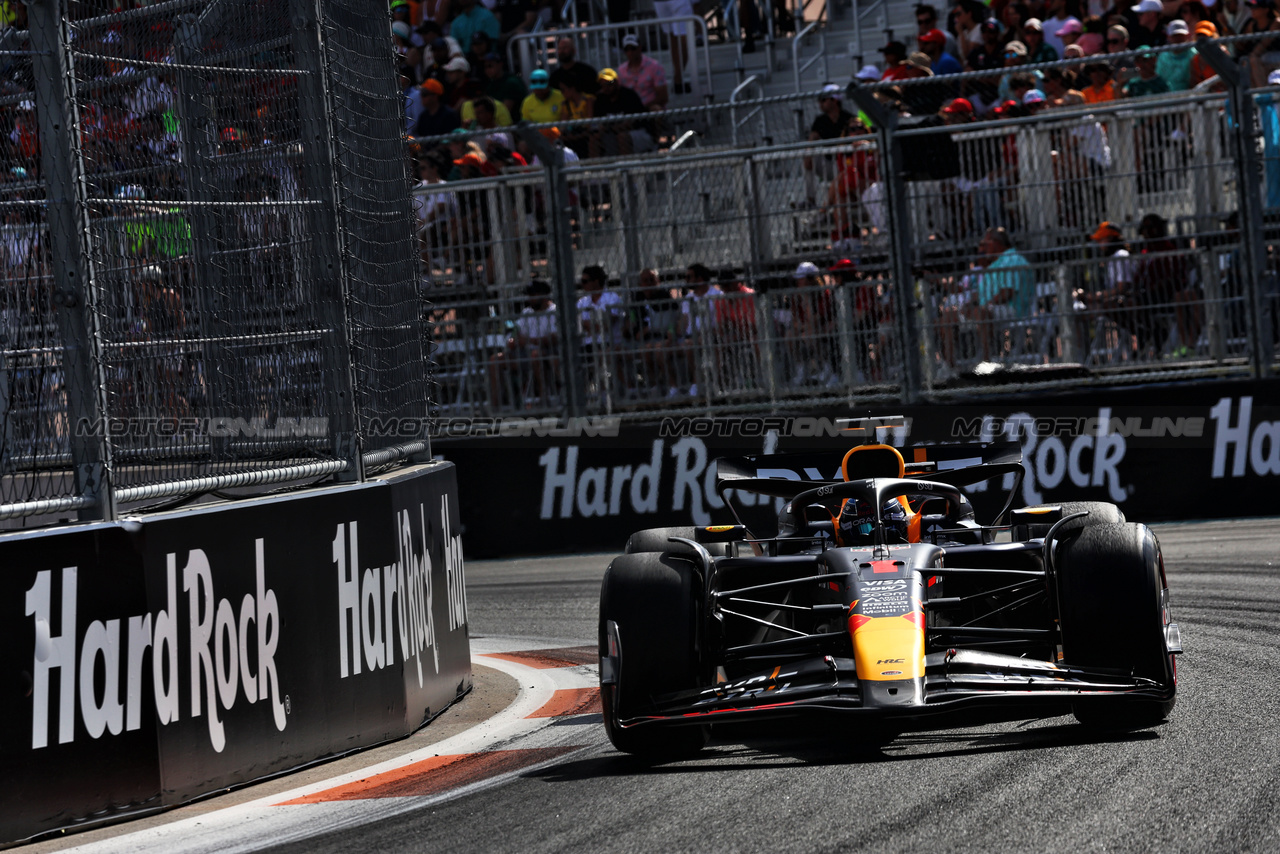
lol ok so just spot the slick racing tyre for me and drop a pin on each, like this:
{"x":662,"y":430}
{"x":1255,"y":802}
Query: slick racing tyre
{"x":655,"y":602}
{"x":1100,"y":513}
{"x":659,"y":540}
{"x":1113,"y":601}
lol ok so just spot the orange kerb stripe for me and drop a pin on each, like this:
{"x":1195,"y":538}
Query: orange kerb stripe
{"x":435,"y":775}
{"x":571,"y":701}
{"x":547,"y":659}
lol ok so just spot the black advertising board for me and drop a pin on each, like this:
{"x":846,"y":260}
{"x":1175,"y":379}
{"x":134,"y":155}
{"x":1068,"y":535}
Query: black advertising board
{"x":428,"y":508}
{"x":270,"y":602}
{"x":78,"y":739}
{"x":225,"y":643}
{"x":1160,"y":453}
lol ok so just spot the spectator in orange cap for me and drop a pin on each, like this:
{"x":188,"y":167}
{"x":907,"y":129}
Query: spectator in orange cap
{"x":436,"y":119}
{"x":1200,"y":69}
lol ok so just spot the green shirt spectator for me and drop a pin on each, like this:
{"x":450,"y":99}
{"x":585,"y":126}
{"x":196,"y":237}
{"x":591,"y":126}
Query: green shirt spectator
{"x":472,"y":18}
{"x":1012,"y":272}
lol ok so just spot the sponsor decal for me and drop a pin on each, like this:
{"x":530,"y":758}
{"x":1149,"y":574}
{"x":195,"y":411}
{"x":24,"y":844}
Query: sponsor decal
{"x":231,"y":649}
{"x":1242,"y":441}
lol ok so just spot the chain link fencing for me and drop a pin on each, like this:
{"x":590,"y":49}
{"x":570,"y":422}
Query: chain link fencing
{"x":210,"y":270}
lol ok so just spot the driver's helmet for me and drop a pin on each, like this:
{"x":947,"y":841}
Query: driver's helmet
{"x":858,"y":520}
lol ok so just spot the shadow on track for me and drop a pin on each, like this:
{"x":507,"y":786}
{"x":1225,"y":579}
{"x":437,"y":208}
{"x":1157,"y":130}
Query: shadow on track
{"x":752,"y":752}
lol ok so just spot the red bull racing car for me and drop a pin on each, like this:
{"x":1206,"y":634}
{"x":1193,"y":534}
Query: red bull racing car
{"x":881,"y":597}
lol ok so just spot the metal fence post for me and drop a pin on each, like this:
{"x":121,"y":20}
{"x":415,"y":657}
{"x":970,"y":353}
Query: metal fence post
{"x":1249,"y":177}
{"x":906,"y":303}
{"x":75,"y":286}
{"x":560,"y":239}
{"x":326,"y":256}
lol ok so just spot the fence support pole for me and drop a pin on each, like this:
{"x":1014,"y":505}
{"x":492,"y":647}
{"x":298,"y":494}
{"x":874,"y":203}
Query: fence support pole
{"x":74,"y":284}
{"x":1249,"y":177}
{"x":328,"y":275}
{"x":560,"y":240}
{"x":906,"y":304}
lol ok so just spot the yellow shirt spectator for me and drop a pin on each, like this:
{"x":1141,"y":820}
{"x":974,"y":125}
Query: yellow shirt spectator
{"x":539,"y":111}
{"x":501,"y":114}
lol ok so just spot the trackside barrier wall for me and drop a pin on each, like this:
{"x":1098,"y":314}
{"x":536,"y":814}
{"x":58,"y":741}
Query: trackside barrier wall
{"x":151,"y":661}
{"x":1206,"y":450}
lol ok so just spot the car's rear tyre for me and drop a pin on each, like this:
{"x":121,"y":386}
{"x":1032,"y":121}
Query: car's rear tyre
{"x":655,"y":601}
{"x":1100,"y":513}
{"x":659,"y":540}
{"x":1112,"y":598}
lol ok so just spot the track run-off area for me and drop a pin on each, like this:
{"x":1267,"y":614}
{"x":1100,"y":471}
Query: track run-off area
{"x":531,"y":770}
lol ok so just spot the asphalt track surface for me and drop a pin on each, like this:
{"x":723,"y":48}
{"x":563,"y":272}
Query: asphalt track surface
{"x":1208,"y":780}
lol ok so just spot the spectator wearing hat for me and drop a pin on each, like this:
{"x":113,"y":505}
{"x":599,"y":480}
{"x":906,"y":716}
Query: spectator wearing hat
{"x":926,"y":20}
{"x":977,"y":203}
{"x":989,"y":57}
{"x":1015,"y":56}
{"x":644,"y":75}
{"x":472,"y":17}
{"x":927,"y":99}
{"x":622,"y":136}
{"x":1056,"y":17}
{"x":1115,"y":282}
{"x":1200,"y":70}
{"x":895,"y":61}
{"x":1033,"y":100}
{"x":436,"y":118}
{"x":1073,"y":33}
{"x":503,"y":88}
{"x":459,"y":87}
{"x":544,"y":105}
{"x":1174,"y":66}
{"x":867,"y":74}
{"x":1145,"y":30}
{"x":1038,"y":50}
{"x":933,"y":44}
{"x":830,"y":123}
{"x":811,"y":341}
{"x":568,"y":67}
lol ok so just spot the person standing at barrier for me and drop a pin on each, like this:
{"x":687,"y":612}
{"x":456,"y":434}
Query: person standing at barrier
{"x":532,"y":352}
{"x":600,"y":317}
{"x":654,"y":327}
{"x":1006,"y":290}
{"x":570,"y":70}
{"x":857,"y":172}
{"x":1166,"y":291}
{"x":697,"y":332}
{"x":811,"y":336}
{"x":735,"y":318}
{"x":1174,"y":66}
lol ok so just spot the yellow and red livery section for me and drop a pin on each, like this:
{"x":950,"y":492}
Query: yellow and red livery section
{"x":886,"y":624}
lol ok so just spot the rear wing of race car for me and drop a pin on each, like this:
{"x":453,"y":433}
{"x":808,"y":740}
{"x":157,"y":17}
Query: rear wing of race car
{"x":788,"y":475}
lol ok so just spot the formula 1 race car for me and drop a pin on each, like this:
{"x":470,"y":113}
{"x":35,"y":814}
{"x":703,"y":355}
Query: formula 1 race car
{"x":914,"y":617}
